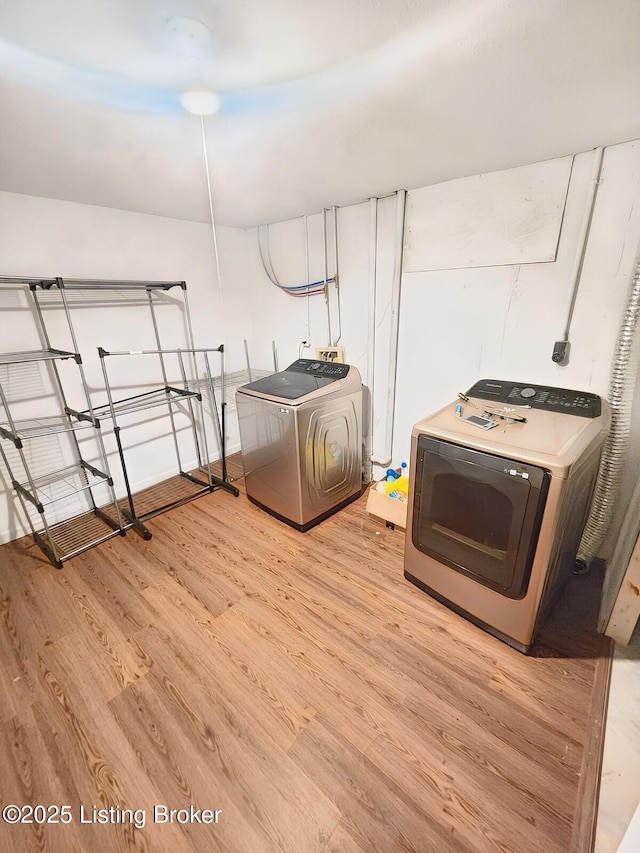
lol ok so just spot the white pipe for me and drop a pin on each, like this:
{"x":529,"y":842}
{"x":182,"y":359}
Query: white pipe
{"x":401,"y":197}
{"x":371,"y":334}
{"x":584,"y":235}
{"x":336,"y":278}
{"x":326,"y":274}
{"x":308,"y":279}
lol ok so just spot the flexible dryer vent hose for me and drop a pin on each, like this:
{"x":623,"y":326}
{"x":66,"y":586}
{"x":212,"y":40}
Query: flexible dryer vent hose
{"x":621,"y":390}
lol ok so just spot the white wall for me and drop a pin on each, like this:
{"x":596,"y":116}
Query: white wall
{"x":459,"y":325}
{"x":456,"y":325}
{"x":502,"y":321}
{"x":291,"y":320}
{"x":44,"y":238}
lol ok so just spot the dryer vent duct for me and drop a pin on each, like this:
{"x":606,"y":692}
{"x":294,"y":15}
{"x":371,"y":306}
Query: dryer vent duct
{"x":622,"y":385}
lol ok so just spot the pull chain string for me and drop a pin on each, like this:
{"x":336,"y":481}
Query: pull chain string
{"x":213,"y":223}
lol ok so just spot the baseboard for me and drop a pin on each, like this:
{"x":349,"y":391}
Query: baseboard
{"x":586,"y":810}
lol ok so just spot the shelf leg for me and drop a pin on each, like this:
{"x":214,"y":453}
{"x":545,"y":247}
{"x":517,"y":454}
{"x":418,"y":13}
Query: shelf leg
{"x":137,"y":525}
{"x":114,"y":525}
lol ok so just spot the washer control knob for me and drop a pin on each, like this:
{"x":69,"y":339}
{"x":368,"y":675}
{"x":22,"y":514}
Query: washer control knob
{"x":528,"y":392}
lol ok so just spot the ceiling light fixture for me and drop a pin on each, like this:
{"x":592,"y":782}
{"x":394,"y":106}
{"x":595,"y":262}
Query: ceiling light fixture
{"x":200,"y":102}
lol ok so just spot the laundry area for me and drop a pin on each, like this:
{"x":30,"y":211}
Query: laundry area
{"x":319,"y":426}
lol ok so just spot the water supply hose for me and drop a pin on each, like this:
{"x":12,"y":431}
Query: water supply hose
{"x":624,"y":373}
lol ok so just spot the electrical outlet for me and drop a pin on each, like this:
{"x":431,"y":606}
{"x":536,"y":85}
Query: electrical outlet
{"x":330,"y":354}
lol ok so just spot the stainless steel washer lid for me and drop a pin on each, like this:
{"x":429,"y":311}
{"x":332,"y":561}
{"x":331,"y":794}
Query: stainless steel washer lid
{"x":304,"y":380}
{"x":287,"y":385}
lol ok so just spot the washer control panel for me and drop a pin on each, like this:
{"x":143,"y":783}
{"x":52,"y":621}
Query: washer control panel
{"x":580,"y":403}
{"x":327,"y":369}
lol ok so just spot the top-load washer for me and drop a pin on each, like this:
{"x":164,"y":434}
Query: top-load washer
{"x":301,"y":439}
{"x":499,"y":495}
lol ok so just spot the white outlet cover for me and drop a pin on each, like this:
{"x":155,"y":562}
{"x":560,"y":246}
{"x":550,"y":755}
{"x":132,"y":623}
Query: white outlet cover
{"x":330,"y":354}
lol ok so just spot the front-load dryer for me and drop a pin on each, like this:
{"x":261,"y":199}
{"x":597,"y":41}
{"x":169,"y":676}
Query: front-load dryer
{"x":496,"y":514}
{"x":301,"y":440}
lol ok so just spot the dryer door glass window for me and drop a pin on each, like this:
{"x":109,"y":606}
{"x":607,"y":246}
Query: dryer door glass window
{"x":478,"y":513}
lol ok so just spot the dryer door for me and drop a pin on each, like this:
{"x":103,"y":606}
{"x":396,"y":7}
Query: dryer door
{"x":478,"y":513}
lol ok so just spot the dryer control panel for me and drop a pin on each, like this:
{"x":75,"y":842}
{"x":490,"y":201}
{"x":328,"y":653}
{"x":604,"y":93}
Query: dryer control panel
{"x":326,"y":369}
{"x":580,"y":403}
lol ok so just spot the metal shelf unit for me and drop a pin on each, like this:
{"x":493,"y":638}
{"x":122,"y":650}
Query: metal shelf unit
{"x":187,"y":392}
{"x":180,"y":398}
{"x":47,"y":491}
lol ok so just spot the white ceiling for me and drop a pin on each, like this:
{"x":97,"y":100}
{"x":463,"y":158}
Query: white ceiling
{"x":322,"y":101}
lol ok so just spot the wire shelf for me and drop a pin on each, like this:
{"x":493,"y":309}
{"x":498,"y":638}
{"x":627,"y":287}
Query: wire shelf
{"x":156,"y":499}
{"x":104,"y":285}
{"x":142,"y":402}
{"x":34,"y":355}
{"x":38,"y":427}
{"x":77,"y":534}
{"x":232,"y":381}
{"x":234,"y":466}
{"x":241,"y":377}
{"x":59,"y":485}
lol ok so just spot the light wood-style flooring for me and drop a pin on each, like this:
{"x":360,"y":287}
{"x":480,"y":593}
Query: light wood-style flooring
{"x":295,"y":682}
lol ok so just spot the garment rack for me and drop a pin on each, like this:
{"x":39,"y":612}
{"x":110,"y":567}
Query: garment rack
{"x":171,"y":395}
{"x":188,"y":392}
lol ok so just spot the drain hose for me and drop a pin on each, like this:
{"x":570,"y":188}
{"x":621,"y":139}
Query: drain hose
{"x":621,"y":390}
